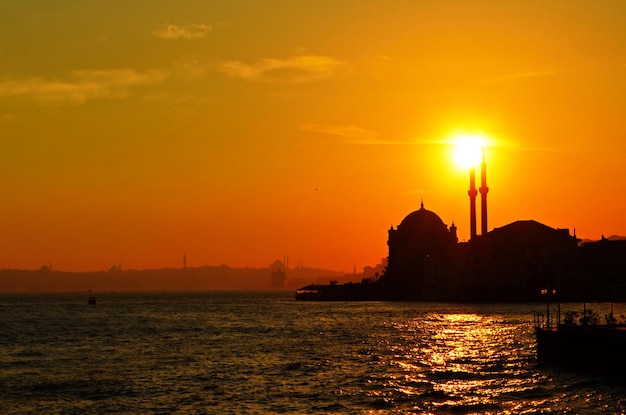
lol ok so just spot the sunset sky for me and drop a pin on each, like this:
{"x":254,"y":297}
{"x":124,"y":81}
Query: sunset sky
{"x":237,"y":132}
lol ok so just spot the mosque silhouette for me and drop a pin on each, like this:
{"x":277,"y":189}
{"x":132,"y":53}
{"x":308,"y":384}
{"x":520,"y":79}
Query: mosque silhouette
{"x":516,"y":262}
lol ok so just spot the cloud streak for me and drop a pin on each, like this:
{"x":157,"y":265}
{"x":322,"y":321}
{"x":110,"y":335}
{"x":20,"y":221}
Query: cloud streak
{"x":522,"y":75}
{"x":83,"y":86}
{"x":295,"y":69}
{"x":350,"y":133}
{"x":187,"y":32}
{"x":506,"y":144}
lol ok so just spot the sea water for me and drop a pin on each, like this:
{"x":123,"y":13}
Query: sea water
{"x":265,"y":353}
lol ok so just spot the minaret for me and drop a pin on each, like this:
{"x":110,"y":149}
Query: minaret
{"x":472,"y":195}
{"x":483,"y":196}
{"x":453,"y":233}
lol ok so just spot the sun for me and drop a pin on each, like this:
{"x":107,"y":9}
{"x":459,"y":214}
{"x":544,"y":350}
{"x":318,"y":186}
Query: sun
{"x":468,"y":149}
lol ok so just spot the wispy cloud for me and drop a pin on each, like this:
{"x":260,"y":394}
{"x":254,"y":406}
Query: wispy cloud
{"x":522,"y":75}
{"x":294,"y":69}
{"x":350,"y":133}
{"x":433,"y":141}
{"x":192,"y":69}
{"x":506,"y":144}
{"x":174,"y":32}
{"x":81,"y":87}
{"x":345,"y":131}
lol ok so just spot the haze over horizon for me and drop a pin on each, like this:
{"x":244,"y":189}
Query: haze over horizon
{"x":239,"y":132}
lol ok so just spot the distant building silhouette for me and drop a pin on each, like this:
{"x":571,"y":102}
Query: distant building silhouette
{"x":472,"y":192}
{"x":278,"y":278}
{"x":511,"y":263}
{"x":483,"y":196}
{"x":426,"y":261}
{"x":420,"y":249}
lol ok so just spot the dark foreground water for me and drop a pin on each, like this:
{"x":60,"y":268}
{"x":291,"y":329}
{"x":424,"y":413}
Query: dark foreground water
{"x":245,"y":353}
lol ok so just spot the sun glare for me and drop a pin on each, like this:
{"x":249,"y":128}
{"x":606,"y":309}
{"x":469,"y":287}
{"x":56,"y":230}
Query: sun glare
{"x":468,"y":149}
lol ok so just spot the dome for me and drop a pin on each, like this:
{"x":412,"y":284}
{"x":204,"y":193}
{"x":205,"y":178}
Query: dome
{"x":422,"y":221}
{"x":421,"y":235}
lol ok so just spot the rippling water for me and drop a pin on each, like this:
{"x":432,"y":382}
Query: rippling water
{"x":244,"y":353}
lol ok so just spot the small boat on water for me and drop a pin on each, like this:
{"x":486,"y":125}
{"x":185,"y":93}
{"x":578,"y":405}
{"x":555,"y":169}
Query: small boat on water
{"x":92,"y":300}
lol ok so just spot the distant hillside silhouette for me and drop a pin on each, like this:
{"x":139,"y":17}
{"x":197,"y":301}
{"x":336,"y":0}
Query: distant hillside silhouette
{"x":205,"y":278}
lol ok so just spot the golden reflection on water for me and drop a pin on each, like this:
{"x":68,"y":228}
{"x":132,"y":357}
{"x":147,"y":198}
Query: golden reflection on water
{"x":462,"y":338}
{"x":465,"y":341}
{"x":454,"y":356}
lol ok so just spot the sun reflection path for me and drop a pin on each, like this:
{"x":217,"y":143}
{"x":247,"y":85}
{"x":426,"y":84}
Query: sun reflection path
{"x":458,"y":360}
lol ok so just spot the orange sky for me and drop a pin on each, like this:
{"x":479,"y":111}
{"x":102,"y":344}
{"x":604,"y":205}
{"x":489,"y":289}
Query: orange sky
{"x":241,"y":131}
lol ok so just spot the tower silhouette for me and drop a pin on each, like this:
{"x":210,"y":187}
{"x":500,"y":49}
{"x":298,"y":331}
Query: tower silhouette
{"x":472,"y":192}
{"x":483,"y":196}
